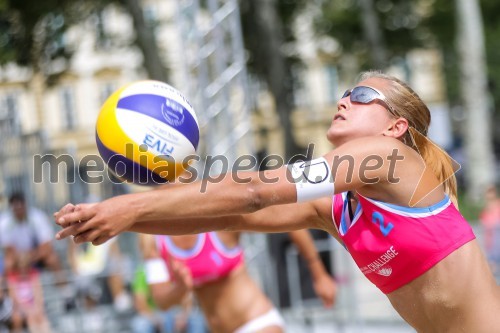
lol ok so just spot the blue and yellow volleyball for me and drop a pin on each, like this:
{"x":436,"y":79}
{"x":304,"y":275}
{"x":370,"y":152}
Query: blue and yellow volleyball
{"x":146,"y":131}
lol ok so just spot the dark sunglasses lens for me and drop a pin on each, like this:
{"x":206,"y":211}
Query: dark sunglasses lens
{"x":364,"y":95}
{"x":346,"y":93}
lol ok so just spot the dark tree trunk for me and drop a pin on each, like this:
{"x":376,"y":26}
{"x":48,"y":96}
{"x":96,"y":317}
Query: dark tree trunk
{"x":147,"y":42}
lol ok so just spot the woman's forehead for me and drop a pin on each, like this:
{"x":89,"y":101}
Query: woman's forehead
{"x":374,"y":82}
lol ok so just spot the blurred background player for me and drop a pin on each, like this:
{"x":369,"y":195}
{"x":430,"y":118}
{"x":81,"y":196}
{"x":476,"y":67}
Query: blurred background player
{"x":149,"y":318}
{"x":26,"y":229}
{"x":211,"y":266}
{"x":490,"y":220}
{"x":97,"y":269}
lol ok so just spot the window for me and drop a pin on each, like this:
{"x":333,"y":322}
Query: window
{"x":77,"y":184}
{"x":16,"y":183}
{"x":68,"y":108}
{"x":9,"y":114}
{"x":300,"y":94}
{"x":150,"y":16}
{"x":113,"y":186}
{"x":333,"y":84}
{"x":106,"y":90}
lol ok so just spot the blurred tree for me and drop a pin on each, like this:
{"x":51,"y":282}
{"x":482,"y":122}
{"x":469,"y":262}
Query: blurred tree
{"x":490,"y":10}
{"x":441,"y":24}
{"x":146,"y":41}
{"x":33,"y":32}
{"x":475,"y":96}
{"x":33,"y":37}
{"x":472,"y":76}
{"x":376,"y":33}
{"x":267,"y":28}
{"x":373,"y":34}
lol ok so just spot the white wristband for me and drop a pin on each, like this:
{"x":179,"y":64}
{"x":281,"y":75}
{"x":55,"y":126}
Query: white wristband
{"x":313,"y":179}
{"x":156,"y":271}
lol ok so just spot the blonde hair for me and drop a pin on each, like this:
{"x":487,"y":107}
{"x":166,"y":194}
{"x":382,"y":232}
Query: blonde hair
{"x":407,"y":104}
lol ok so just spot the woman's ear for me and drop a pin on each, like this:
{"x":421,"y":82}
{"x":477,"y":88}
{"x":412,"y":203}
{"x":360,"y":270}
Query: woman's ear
{"x":397,"y":128}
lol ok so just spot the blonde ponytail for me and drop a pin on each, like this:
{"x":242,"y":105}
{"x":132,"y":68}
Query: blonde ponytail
{"x":438,"y":161}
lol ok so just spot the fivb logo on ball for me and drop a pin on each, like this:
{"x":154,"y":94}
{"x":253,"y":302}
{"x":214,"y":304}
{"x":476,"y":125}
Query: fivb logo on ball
{"x":147,"y":113}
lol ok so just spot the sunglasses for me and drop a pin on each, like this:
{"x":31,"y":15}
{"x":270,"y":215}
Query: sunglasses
{"x":367,"y":95}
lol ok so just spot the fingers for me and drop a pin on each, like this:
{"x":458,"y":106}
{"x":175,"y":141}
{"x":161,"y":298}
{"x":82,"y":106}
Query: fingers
{"x":182,"y":273}
{"x":87,"y":236}
{"x":72,"y":230}
{"x":68,"y":208}
{"x":327,"y":302}
{"x":77,"y":214}
{"x":326,"y":290}
{"x":83,"y":233}
{"x":101,"y":240}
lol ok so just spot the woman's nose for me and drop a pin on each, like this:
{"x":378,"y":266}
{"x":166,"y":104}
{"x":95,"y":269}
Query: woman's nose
{"x":342,"y":104}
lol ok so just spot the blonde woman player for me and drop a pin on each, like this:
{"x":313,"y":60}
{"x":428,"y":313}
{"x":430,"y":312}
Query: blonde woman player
{"x":211,"y":266}
{"x":386,"y":192}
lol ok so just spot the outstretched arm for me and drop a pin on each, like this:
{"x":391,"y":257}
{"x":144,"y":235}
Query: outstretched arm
{"x":324,"y":285}
{"x":280,"y":218}
{"x":228,"y":197}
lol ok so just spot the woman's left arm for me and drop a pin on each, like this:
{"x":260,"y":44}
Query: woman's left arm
{"x":324,"y":285}
{"x":109,"y":218}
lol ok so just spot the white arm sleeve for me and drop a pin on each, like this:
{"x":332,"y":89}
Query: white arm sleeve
{"x":313,"y":179}
{"x":156,"y":271}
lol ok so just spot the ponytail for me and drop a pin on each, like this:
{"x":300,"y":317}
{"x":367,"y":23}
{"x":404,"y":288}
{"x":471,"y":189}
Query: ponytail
{"x":437,"y":160}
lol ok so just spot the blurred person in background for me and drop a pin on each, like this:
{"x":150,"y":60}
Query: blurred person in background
{"x":150,"y":319}
{"x":211,"y":266}
{"x":26,"y":229}
{"x":95,"y":268}
{"x":6,"y":306}
{"x":26,"y":293}
{"x":490,"y":220}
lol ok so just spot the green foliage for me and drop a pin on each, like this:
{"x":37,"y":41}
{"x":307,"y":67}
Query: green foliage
{"x":490,"y":10}
{"x":32,"y":31}
{"x":288,"y":11}
{"x":399,"y":22}
{"x":253,"y":36}
{"x":442,"y":23}
{"x":468,"y":209}
{"x":443,"y":26}
{"x":341,"y":20}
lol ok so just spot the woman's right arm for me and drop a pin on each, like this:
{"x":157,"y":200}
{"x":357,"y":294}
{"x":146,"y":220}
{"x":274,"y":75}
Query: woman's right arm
{"x":167,"y":294}
{"x":167,"y":289}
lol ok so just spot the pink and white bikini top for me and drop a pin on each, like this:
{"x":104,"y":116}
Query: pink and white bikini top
{"x":393,"y":245}
{"x":208,"y":260}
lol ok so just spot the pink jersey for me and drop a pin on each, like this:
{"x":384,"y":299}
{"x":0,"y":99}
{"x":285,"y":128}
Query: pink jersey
{"x":208,"y":260}
{"x":393,"y":245}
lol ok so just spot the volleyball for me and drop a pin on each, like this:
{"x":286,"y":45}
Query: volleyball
{"x":145,"y":132}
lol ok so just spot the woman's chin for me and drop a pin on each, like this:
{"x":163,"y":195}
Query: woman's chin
{"x":333,"y":136}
